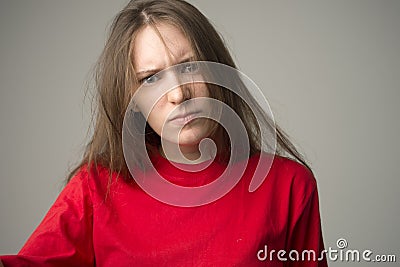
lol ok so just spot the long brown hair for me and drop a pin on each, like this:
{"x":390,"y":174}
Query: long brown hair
{"x":115,"y":79}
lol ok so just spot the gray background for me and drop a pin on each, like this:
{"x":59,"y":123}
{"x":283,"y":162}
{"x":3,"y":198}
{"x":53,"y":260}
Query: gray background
{"x":330,"y":69}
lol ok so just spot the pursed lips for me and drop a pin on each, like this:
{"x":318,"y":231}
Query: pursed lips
{"x":184,"y":118}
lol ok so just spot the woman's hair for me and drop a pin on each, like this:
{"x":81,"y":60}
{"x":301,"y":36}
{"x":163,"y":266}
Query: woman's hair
{"x":115,"y":82}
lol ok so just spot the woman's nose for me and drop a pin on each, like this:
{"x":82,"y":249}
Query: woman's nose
{"x":176,"y":95}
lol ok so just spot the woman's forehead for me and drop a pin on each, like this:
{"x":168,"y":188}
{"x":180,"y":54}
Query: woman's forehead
{"x":158,"y":45}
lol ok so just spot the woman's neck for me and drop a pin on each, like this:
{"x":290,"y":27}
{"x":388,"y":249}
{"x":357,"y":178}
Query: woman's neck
{"x":184,"y":154}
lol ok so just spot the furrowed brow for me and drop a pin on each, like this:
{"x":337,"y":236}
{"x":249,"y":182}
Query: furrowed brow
{"x":155,"y":70}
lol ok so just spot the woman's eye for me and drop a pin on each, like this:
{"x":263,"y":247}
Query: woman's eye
{"x":189,"y":67}
{"x":151,"y":79}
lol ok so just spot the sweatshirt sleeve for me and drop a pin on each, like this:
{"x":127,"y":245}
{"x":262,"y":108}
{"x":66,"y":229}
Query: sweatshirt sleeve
{"x":64,"y":237}
{"x":305,"y":233}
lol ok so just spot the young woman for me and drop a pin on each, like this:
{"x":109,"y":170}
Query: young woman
{"x":150,"y":122}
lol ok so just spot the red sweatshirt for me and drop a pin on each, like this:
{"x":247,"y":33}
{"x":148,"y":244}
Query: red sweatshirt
{"x":130,"y":228}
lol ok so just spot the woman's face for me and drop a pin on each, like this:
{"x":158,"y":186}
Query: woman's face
{"x":152,"y":54}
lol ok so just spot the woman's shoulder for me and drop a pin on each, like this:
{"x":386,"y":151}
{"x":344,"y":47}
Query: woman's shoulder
{"x":88,"y":171}
{"x":94,"y":176}
{"x":290,"y":171}
{"x":289,"y":181}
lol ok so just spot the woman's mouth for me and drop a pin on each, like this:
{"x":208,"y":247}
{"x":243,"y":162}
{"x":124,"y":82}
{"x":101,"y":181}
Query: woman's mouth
{"x":182,"y":119}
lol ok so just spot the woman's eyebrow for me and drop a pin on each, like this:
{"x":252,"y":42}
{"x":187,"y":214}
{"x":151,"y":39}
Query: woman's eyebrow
{"x":155,"y":70}
{"x":185,"y":60}
{"x":143,"y":72}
